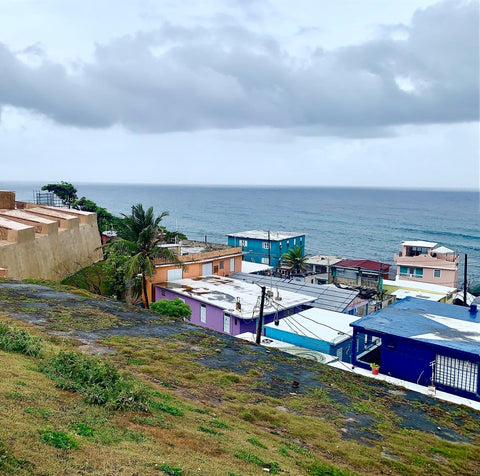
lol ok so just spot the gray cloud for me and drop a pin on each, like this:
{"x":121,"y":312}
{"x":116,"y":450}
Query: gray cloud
{"x":177,"y":79}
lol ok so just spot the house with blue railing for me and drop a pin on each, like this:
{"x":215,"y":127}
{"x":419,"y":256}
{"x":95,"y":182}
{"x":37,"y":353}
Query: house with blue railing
{"x":266,"y":247}
{"x":425,"y":342}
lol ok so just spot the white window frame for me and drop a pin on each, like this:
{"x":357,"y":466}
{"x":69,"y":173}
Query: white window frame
{"x":203,"y":313}
{"x":226,"y":323}
{"x":264,"y":260}
{"x":243,"y":243}
{"x":232,"y":265}
{"x":437,"y":273}
{"x":266,"y":245}
{"x":456,"y":373}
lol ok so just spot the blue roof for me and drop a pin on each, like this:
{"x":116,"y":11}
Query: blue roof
{"x":437,"y":323}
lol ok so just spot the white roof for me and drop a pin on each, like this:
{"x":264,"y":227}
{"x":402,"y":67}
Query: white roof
{"x":329,"y":326}
{"x":420,"y":244}
{"x":249,"y":267}
{"x":264,"y":235}
{"x":413,"y":285}
{"x":429,"y":296}
{"x":224,"y":293}
{"x":323,"y":260}
{"x":443,"y":250}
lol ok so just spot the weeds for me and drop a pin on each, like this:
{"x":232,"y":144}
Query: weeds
{"x":171,"y":470}
{"x":256,"y":442}
{"x":273,"y":468}
{"x":102,"y":383}
{"x":166,"y":408}
{"x":16,"y":340}
{"x":59,"y":440}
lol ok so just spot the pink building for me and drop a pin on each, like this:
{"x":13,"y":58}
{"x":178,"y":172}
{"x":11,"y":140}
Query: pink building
{"x":426,"y":262}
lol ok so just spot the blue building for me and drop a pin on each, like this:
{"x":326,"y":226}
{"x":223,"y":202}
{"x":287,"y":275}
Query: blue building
{"x":424,"y":342}
{"x":266,"y":247}
{"x":324,"y":331}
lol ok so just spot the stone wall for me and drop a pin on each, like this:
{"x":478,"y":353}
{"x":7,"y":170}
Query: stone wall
{"x":54,"y":254}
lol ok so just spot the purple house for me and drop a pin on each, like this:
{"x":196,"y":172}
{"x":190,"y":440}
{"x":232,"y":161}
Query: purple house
{"x":228,"y":305}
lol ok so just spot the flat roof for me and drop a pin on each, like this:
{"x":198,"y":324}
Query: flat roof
{"x":323,"y":260}
{"x":224,"y":293}
{"x":420,"y":244}
{"x":403,"y":293}
{"x":325,"y":296}
{"x":319,"y":324}
{"x":432,"y":322}
{"x":250,"y":267}
{"x":264,"y":235}
{"x":417,"y":285}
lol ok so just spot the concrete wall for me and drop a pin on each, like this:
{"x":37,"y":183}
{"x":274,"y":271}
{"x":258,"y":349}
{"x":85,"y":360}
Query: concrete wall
{"x":31,"y":247}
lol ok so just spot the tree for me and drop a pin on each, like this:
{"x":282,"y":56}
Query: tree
{"x":139,"y":238}
{"x":105,"y":220}
{"x":174,"y":308}
{"x":65,"y":191}
{"x":295,"y":258}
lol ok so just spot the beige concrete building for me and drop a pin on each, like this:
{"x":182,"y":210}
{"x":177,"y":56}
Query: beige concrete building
{"x":43,"y":242}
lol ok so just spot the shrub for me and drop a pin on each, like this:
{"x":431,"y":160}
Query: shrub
{"x":15,"y":340}
{"x":102,"y":383}
{"x":174,"y":308}
{"x":171,"y":470}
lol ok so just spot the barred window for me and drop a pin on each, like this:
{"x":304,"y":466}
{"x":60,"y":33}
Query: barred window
{"x":456,"y":373}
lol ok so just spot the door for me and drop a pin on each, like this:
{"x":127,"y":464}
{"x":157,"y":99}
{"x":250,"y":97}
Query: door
{"x":174,"y":274}
{"x":207,"y":269}
{"x":226,"y":323}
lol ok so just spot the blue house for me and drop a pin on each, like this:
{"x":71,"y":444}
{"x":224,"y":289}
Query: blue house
{"x":266,"y":247}
{"x":325,"y":331}
{"x":425,"y":342}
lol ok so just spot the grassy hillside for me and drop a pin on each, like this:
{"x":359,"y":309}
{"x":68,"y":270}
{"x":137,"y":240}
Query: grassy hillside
{"x":169,"y":398}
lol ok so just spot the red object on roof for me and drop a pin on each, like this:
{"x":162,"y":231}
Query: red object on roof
{"x":364,"y":264}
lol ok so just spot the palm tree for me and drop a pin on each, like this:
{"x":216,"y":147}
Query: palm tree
{"x":295,"y":258}
{"x":139,"y":238}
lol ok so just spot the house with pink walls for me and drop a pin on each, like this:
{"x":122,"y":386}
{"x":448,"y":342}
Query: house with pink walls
{"x":229,"y":305}
{"x":427,"y":262}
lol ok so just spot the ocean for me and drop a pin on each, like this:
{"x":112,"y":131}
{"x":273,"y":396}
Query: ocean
{"x":355,"y":223}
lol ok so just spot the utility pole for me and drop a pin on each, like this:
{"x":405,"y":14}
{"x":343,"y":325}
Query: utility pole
{"x":465,"y":282}
{"x":260,"y":317}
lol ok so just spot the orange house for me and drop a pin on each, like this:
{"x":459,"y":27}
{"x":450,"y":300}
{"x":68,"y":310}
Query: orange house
{"x":198,"y":258}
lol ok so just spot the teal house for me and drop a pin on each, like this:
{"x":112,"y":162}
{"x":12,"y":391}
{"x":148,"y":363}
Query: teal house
{"x":266,"y":247}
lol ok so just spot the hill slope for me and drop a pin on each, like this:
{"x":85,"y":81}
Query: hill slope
{"x":203,"y":403}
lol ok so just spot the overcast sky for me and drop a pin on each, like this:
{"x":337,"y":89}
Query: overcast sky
{"x":380,"y":93}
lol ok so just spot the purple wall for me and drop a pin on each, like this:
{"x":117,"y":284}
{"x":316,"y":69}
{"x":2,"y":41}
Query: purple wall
{"x":215,"y":315}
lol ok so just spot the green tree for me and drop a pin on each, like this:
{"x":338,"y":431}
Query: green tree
{"x":105,"y":220}
{"x":295,"y":258}
{"x":139,"y":238}
{"x":174,"y":308}
{"x":65,"y":191}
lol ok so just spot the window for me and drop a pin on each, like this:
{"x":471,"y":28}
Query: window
{"x":437,"y":273}
{"x":215,"y":269}
{"x":294,"y":241}
{"x":266,"y":245}
{"x":288,"y":243}
{"x":301,"y":241}
{"x":203,"y":313}
{"x":411,"y":272}
{"x":264,"y":260}
{"x":232,"y":265}
{"x":243,"y":243}
{"x":456,"y":373}
{"x":222,"y":264}
{"x":226,"y":323}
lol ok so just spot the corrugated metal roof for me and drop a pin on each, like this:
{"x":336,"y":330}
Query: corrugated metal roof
{"x":326,"y":297}
{"x":441,"y":324}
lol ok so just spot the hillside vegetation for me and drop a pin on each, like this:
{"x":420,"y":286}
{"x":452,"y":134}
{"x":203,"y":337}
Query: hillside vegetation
{"x":94,"y":387}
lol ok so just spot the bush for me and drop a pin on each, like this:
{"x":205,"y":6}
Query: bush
{"x":102,"y":383}
{"x":175,"y":308}
{"x":15,"y":340}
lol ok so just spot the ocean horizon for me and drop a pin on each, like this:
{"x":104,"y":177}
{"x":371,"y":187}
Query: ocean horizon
{"x":355,"y":223}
